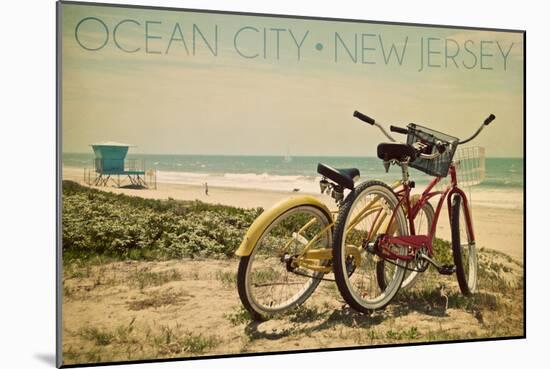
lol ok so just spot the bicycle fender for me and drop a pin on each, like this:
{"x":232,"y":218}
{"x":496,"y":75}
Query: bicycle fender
{"x":267,"y":217}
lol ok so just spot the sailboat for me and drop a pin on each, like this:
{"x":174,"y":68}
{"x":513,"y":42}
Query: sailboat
{"x":287,"y":158}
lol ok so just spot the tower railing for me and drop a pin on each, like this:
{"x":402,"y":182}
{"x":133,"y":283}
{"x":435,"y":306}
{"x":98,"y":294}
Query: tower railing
{"x":120,"y":173}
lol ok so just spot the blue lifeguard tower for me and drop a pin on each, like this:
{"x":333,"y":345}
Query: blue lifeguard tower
{"x":110,"y":165}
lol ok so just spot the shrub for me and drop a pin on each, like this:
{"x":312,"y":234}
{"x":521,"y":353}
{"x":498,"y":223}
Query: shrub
{"x":102,"y":223}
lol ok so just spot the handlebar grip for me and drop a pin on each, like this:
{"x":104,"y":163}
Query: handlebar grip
{"x":489,"y":119}
{"x":395,"y":129}
{"x":363,"y":117}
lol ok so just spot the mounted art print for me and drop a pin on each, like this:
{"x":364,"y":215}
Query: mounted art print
{"x":237,"y":184}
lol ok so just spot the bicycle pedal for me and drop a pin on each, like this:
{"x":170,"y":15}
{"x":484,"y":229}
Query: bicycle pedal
{"x":447,"y":269}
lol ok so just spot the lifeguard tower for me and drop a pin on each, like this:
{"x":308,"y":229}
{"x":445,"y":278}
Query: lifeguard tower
{"x":111,"y":166}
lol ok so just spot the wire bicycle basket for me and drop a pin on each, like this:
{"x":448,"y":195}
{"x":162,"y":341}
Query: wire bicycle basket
{"x":427,"y":137}
{"x":470,"y":165}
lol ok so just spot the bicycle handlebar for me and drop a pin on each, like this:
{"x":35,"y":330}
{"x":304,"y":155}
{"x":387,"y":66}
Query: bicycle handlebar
{"x":440,"y":150}
{"x":372,"y":122}
{"x":439,"y":146}
{"x":363,"y":117}
{"x":430,"y":156}
{"x":396,"y":129}
{"x":489,"y":119}
{"x":486,"y":122}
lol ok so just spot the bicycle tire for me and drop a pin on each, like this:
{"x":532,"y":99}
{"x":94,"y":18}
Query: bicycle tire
{"x":342,"y":276}
{"x":257,"y":310}
{"x":466,"y":272}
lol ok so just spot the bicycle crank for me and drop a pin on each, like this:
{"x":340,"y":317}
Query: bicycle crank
{"x":445,"y":269}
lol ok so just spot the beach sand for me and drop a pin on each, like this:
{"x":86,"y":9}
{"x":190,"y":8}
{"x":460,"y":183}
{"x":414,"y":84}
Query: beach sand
{"x":497,"y":228}
{"x":134,"y":310}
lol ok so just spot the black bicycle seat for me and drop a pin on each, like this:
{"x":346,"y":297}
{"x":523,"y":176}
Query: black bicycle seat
{"x":396,"y":151}
{"x":345,"y":177}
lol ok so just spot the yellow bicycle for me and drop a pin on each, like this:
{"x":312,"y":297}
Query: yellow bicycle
{"x":287,"y":251}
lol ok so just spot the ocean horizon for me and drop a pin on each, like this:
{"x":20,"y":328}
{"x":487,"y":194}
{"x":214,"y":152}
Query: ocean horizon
{"x":288,"y":173}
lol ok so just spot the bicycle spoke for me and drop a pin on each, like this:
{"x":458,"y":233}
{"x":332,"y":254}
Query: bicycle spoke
{"x":366,"y":227}
{"x":272,"y":286}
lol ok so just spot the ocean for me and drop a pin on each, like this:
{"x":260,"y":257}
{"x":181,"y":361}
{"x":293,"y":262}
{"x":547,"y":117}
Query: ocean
{"x":278,"y":173}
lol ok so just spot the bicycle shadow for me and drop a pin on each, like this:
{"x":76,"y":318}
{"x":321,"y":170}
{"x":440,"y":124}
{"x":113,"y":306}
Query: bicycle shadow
{"x":435,"y":307}
{"x":345,"y":316}
{"x":433,"y":303}
{"x":437,"y":303}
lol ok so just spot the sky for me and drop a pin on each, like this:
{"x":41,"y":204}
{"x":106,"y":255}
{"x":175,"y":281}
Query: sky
{"x":176,"y":82}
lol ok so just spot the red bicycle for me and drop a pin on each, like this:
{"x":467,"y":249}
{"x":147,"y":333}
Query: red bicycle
{"x":383,"y":221}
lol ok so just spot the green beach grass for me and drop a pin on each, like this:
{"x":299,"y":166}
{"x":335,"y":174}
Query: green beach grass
{"x":98,"y":224}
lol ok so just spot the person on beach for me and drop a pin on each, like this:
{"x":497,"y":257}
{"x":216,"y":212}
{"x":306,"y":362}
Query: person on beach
{"x":206,"y":188}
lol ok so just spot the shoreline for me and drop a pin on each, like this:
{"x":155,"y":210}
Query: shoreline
{"x":498,"y":228}
{"x":493,"y":197}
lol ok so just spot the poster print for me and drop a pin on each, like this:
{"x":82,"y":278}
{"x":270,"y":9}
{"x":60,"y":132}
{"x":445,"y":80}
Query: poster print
{"x":234,"y":184}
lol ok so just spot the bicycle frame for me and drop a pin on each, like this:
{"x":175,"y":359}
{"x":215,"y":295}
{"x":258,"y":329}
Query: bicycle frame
{"x":311,"y":259}
{"x":413,"y":241}
{"x":315,"y":259}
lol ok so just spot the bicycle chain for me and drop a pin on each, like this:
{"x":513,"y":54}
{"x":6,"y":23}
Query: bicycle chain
{"x":312,"y":277}
{"x":333,"y":280}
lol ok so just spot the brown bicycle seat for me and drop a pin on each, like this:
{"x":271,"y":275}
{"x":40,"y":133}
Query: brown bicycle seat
{"x":345,"y":177}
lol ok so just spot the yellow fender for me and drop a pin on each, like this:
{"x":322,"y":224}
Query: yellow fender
{"x":267,"y":217}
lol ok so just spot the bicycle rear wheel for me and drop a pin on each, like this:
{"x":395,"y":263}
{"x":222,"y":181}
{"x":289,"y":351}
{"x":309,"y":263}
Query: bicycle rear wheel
{"x":364,"y":216}
{"x":268,"y":281}
{"x":464,"y":249}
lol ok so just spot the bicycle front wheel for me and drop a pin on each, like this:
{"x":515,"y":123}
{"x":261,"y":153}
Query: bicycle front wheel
{"x":365,"y":215}
{"x":464,"y":249}
{"x":272,"y":279}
